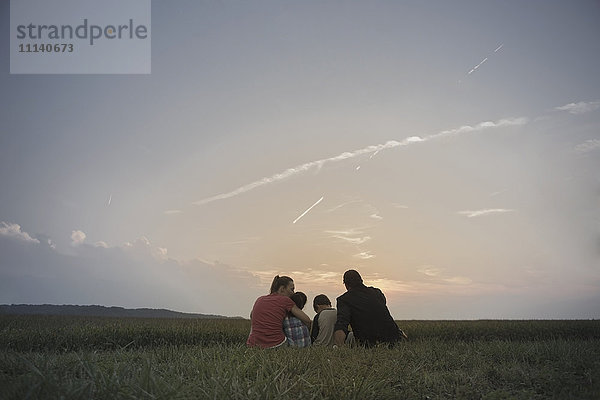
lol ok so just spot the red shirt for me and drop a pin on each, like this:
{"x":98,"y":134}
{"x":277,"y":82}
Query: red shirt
{"x":267,"y":320}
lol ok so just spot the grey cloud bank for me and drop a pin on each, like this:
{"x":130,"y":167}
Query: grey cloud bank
{"x":14,"y":231}
{"x":135,"y":275}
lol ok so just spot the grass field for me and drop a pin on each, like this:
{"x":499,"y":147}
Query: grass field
{"x":107,"y":358}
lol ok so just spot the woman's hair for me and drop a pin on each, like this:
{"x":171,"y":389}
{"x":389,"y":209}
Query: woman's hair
{"x":280,"y":281}
{"x":300,"y":299}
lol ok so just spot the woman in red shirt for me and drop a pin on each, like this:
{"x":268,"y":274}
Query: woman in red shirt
{"x":269,"y":311}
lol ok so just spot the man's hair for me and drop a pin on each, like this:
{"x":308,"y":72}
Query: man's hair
{"x":280,"y":281}
{"x":321,"y":300}
{"x":300,"y":299}
{"x":352,"y":278}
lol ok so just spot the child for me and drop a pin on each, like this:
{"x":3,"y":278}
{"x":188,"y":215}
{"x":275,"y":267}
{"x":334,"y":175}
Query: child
{"x":324,"y":322}
{"x":295,"y":330}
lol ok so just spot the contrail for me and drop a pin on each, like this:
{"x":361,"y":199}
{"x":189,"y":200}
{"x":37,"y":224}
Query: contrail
{"x":309,"y":208}
{"x":344,"y":204}
{"x":109,"y":200}
{"x":370,"y":157}
{"x":484,"y":60}
{"x":301,"y":168}
{"x":290,"y":172}
{"x":478,"y":213}
{"x":477,"y":66}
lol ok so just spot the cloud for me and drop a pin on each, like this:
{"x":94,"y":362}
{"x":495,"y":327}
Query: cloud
{"x":588,"y":145}
{"x":101,"y":244}
{"x":497,"y":193}
{"x":14,"y":231}
{"x":434,"y":297}
{"x":141,"y":248}
{"x":479,"y":213}
{"x":365,"y":255}
{"x":389,"y":286}
{"x":581,"y":107}
{"x":77,"y":238}
{"x":343,"y":205}
{"x":459,"y":280}
{"x":309,"y":275}
{"x":364,"y":207}
{"x":173,"y":212}
{"x":430,"y":271}
{"x":161,"y":252}
{"x":138,"y":275}
{"x":290,"y":172}
{"x":347,"y":236}
{"x":246,"y":240}
{"x":311,"y":281}
{"x":358,"y":240}
{"x":438,"y":273}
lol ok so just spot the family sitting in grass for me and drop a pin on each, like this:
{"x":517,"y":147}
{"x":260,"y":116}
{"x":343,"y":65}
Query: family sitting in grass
{"x":278,"y":320}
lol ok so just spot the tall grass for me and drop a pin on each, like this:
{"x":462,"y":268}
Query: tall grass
{"x":191,"y":359}
{"x":59,"y":333}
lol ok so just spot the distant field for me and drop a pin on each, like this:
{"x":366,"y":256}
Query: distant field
{"x":49,"y":357}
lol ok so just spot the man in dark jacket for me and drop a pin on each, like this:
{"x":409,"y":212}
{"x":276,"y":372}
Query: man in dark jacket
{"x":364,"y":309}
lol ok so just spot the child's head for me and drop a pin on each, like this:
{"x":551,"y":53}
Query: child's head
{"x":299,"y":298}
{"x":321,"y":300}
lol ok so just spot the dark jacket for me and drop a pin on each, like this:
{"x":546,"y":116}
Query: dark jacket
{"x":364,"y":309}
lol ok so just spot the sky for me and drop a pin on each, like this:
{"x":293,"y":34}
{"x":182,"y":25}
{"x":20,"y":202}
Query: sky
{"x":448,"y":151}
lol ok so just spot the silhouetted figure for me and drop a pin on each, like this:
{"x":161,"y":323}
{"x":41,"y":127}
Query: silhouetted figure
{"x":365,"y":310}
